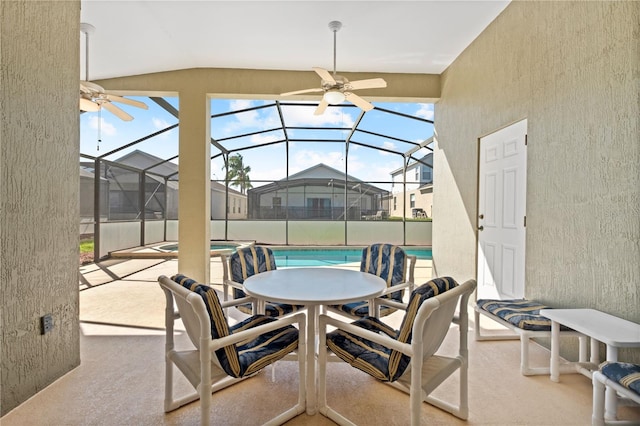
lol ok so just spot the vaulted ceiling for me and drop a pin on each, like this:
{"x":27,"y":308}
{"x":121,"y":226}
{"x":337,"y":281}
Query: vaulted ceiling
{"x":140,"y":37}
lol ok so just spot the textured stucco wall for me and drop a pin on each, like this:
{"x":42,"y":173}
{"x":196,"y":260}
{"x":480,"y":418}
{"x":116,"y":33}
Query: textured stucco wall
{"x":572,"y":69}
{"x":39,"y":133}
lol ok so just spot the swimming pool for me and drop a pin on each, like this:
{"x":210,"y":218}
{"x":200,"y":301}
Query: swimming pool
{"x":308,"y":256}
{"x":302,"y":256}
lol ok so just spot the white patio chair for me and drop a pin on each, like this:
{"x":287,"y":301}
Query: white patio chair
{"x":392,"y":264}
{"x":242,"y":264}
{"x":406,"y":358}
{"x":223,"y":354}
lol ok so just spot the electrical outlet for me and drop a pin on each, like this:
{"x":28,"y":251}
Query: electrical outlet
{"x":46,"y":323}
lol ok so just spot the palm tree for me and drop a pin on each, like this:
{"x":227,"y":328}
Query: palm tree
{"x":238,"y":173}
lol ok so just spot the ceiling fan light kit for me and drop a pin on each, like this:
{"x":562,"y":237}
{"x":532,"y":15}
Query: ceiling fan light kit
{"x":336,"y":88}
{"x":334,"y":97}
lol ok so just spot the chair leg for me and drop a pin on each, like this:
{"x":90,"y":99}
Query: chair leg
{"x":168,"y":385}
{"x":415,"y":394}
{"x":597,"y":416}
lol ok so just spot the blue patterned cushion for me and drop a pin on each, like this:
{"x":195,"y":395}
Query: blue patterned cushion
{"x":376,"y":360}
{"x":239,"y":360}
{"x":524,"y":314}
{"x":253,"y":260}
{"x":388,"y":262}
{"x":625,"y":373}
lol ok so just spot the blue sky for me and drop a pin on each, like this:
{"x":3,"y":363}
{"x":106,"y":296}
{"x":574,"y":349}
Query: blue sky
{"x":268,"y":163}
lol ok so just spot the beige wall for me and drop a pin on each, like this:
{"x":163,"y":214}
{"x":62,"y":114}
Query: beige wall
{"x":571,"y":69}
{"x":39,"y":152}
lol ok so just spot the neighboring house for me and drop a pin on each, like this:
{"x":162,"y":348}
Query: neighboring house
{"x":317,"y":193}
{"x":123,"y":178}
{"x":87,"y":189}
{"x":416,"y":198}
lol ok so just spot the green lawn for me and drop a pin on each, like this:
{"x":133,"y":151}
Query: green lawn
{"x":86,"y":246}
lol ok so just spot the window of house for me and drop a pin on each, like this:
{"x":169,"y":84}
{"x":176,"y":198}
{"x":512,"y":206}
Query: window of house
{"x":234,"y":205}
{"x":417,"y":174}
{"x":395,"y":203}
{"x":427,"y":175}
{"x":276,"y":202}
{"x":412,"y":200}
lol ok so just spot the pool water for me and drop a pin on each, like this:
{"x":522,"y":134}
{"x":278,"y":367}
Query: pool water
{"x":174,"y":247}
{"x":289,"y":257}
{"x":328,"y":257}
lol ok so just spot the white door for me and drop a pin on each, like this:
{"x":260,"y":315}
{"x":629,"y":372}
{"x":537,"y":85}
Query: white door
{"x":501,"y":213}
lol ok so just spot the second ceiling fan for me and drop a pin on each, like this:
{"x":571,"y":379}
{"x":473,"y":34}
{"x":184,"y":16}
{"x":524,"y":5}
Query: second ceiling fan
{"x":337,"y":88}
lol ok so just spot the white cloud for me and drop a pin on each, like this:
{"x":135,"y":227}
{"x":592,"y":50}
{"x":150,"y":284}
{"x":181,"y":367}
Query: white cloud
{"x":303,"y":116}
{"x":390,"y":146}
{"x":263,"y":138}
{"x":106,"y":127}
{"x":304,"y":159}
{"x":425,"y":111}
{"x":160,"y":124}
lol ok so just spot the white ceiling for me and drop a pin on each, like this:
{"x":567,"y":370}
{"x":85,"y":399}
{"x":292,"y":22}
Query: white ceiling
{"x":138,"y":37}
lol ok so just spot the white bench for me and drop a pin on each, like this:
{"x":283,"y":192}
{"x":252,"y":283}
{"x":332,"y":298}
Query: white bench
{"x":523,"y":318}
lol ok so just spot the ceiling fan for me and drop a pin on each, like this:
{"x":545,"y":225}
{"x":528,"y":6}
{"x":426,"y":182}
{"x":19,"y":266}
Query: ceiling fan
{"x":337,"y":88}
{"x":93,"y":97}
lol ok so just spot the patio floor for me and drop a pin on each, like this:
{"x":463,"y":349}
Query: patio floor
{"x":121,"y":377}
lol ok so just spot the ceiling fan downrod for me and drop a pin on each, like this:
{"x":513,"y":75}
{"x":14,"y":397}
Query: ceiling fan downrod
{"x":86,"y":29}
{"x":335,"y":27}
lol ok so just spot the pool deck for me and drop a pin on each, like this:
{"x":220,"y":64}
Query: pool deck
{"x":119,"y":268}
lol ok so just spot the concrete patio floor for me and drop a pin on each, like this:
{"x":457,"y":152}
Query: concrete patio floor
{"x":121,"y":377}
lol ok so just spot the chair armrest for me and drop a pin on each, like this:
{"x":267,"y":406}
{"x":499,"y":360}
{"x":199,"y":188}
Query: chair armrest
{"x":235,"y":302}
{"x":397,"y":287}
{"x":250,"y":333}
{"x":384,"y":340}
{"x":233,"y":284}
{"x":389,"y":302}
{"x":412,"y":266}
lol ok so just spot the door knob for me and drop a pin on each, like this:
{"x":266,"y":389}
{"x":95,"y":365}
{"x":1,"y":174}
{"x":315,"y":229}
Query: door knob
{"x":481,"y":216}
{"x":480,"y":228}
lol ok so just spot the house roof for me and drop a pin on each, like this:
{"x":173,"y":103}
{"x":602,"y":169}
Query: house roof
{"x":322,"y":171}
{"x":156,"y":165}
{"x":319,"y":175}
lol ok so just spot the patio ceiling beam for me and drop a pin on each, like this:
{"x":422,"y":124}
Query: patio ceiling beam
{"x":423,"y":144}
{"x":159,"y":164}
{"x":238,"y":111}
{"x":376,"y":147}
{"x":387,"y":136}
{"x":257,"y":146}
{"x":413,"y":117}
{"x":318,"y":128}
{"x":250,"y":134}
{"x":159,"y":132}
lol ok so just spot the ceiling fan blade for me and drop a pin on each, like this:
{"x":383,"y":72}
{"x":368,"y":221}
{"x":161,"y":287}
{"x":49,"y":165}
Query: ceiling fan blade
{"x":88,"y":87}
{"x":298,"y":92}
{"x":117,"y":111}
{"x":325,"y":75}
{"x":358,"y":101}
{"x":322,"y":106}
{"x":88,"y":105}
{"x":126,"y":101}
{"x":372,"y":83}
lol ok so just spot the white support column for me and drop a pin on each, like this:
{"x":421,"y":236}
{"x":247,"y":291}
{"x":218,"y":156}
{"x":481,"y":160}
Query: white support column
{"x":195,"y":180}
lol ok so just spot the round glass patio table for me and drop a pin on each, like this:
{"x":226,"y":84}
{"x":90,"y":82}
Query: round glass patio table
{"x":313,"y":287}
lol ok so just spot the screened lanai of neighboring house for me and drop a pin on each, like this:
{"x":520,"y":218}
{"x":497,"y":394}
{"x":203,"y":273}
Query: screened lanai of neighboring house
{"x":271,"y":162}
